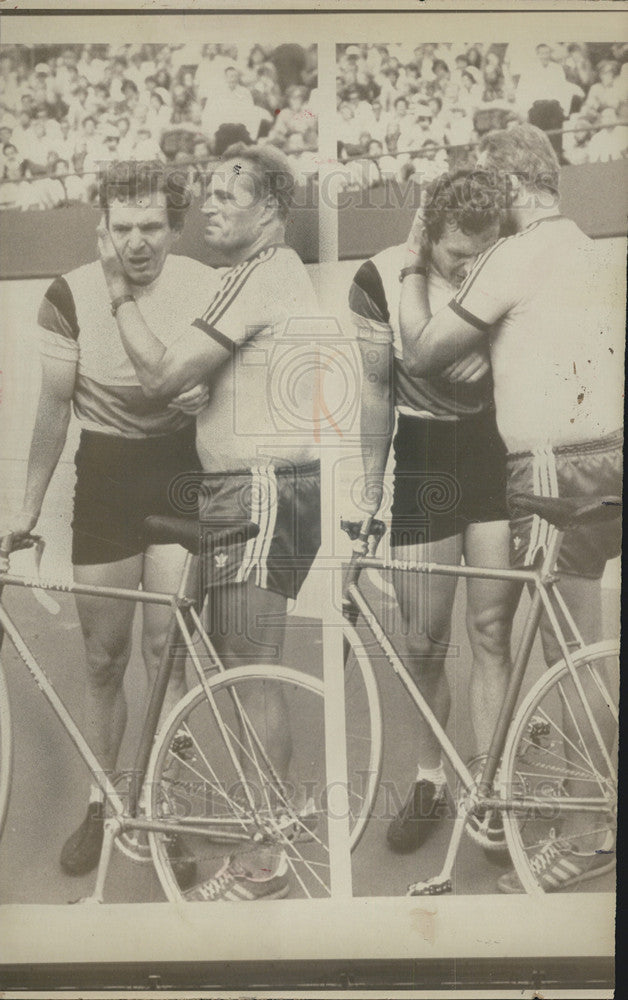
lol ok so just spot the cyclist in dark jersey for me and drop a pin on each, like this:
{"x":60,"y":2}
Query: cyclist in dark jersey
{"x":449,"y":483}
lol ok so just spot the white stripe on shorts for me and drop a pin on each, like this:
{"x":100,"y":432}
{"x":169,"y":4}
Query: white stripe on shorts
{"x":544,"y":484}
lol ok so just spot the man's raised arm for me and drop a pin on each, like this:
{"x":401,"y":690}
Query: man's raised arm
{"x":431,"y":344}
{"x":163,"y":372}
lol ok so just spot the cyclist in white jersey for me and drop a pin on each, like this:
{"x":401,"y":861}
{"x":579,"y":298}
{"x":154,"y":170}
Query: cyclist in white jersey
{"x":130,"y":451}
{"x":256,"y":437}
{"x":546,"y":302}
{"x":449,"y":495}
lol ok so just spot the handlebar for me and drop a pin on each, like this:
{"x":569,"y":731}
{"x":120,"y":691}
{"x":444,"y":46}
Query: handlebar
{"x":12,"y":542}
{"x":368,"y":532}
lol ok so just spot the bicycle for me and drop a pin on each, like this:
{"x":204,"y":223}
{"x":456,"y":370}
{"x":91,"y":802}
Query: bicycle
{"x":548,"y":757}
{"x":203,"y":779}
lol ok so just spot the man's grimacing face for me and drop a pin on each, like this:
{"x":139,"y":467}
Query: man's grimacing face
{"x":142,"y":236}
{"x":454,"y":254}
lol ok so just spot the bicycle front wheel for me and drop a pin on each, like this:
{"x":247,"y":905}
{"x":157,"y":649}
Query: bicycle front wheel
{"x":364,"y":732}
{"x":560,"y":775}
{"x":239,"y":772}
{"x":6,"y":748}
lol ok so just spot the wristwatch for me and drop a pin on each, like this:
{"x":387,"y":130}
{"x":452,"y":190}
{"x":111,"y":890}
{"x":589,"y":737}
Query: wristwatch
{"x":120,"y":300}
{"x":412,"y":269}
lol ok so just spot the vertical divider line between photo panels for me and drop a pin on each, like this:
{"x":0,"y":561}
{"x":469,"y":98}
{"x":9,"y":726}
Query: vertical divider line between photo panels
{"x":333,"y":673}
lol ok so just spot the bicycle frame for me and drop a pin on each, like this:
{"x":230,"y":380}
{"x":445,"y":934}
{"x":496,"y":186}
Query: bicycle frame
{"x":175,"y":601}
{"x":545,"y":597}
{"x":182,"y":607}
{"x":184,"y":622}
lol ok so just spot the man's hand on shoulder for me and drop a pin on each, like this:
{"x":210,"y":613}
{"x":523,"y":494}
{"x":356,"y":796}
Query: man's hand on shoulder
{"x":191,"y":401}
{"x":471,"y":368}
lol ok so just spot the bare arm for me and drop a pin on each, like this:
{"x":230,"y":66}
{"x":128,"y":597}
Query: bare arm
{"x":376,"y":419}
{"x":49,"y":436}
{"x":166,"y":372}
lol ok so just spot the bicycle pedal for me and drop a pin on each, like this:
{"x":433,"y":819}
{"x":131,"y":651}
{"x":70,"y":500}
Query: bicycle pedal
{"x":431,"y":887}
{"x":182,"y":746}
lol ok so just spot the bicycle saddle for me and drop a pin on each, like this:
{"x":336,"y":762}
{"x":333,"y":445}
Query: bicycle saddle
{"x":187,"y":531}
{"x":566,"y":512}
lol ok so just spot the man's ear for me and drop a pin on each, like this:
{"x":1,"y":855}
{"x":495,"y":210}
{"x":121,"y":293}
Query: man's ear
{"x":269,"y":210}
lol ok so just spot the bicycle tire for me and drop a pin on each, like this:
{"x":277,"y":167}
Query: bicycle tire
{"x":549,"y":765}
{"x":364,"y":734}
{"x":6,"y":748}
{"x":192,"y":780}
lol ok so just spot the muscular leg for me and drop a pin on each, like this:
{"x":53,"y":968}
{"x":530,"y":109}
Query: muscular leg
{"x":162,"y":570}
{"x":426,"y":604}
{"x":491,"y":605}
{"x":106,"y":626}
{"x":242,"y":634}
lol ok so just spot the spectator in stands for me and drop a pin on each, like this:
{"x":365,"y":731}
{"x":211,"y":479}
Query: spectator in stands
{"x":66,"y":142}
{"x":146,"y":145}
{"x":90,"y":66}
{"x":470,"y":93}
{"x":440,"y":118}
{"x":125,"y":138}
{"x":79,"y":106}
{"x":347,"y":130}
{"x":608,"y":92}
{"x":22,"y":133}
{"x":577,"y":66}
{"x":294,"y":118}
{"x":362,"y":112}
{"x":378,"y":124}
{"x":230,"y":105}
{"x":302,"y":160}
{"x":459,"y":129}
{"x":418,"y":130}
{"x":544,"y":81}
{"x":426,"y":165}
{"x":159,"y":111}
{"x":609,"y":143}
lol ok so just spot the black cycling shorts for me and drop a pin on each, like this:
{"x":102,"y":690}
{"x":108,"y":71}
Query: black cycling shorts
{"x":448,"y":474}
{"x":119,"y":482}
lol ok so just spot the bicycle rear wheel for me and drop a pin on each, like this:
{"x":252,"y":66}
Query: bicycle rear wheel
{"x":194,"y":783}
{"x":6,"y":748}
{"x":562,"y":781}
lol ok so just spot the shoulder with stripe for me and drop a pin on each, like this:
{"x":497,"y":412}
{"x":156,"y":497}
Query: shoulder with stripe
{"x":57,"y":310}
{"x":499,"y":253}
{"x":232,"y":282}
{"x":367,"y":295}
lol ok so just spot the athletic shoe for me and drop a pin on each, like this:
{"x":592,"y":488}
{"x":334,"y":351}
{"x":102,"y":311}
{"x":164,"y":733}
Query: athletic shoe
{"x":81,"y":851}
{"x":559,"y":865}
{"x":245,"y":878}
{"x":417,"y":819}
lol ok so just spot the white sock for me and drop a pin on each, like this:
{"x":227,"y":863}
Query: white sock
{"x":435,"y":774}
{"x":96,"y":794}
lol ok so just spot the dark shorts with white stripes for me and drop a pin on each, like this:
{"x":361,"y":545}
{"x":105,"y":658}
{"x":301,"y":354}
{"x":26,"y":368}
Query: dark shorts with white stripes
{"x":284,"y":501}
{"x":587,"y":469}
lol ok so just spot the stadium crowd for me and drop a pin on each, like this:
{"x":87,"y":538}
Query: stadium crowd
{"x":66,"y":110}
{"x":406,"y":111}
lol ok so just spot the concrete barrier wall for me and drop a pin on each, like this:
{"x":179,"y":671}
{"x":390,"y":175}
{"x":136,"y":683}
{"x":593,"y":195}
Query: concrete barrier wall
{"x":594,"y":195}
{"x":44,"y":243}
